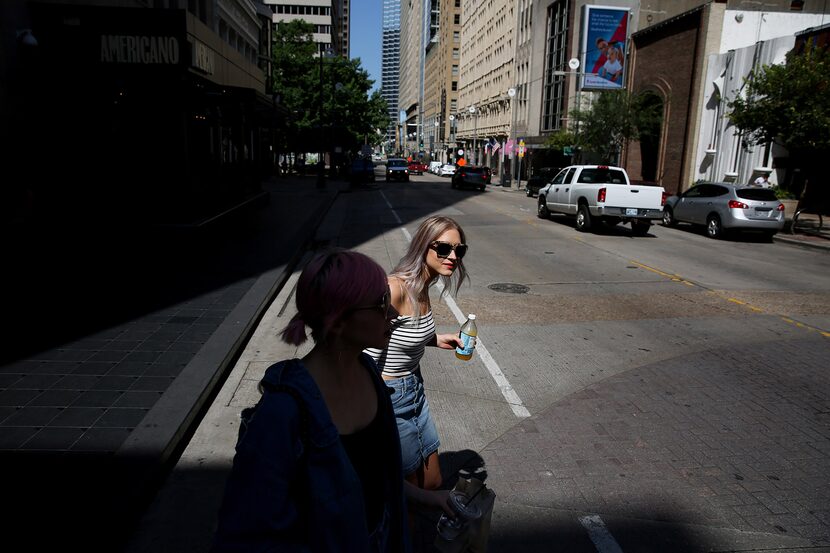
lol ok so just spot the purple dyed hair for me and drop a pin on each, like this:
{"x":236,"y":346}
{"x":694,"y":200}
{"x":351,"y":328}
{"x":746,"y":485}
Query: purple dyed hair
{"x":332,"y":283}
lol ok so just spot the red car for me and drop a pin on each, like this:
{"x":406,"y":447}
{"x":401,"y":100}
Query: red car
{"x":417,"y":168}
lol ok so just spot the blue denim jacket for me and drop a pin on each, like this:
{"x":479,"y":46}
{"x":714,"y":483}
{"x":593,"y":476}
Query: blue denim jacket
{"x":294,"y":488}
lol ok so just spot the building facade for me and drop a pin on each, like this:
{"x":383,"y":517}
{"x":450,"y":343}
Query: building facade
{"x":692,"y":63}
{"x":390,"y":66}
{"x":316,"y":12}
{"x":410,"y":85}
{"x":441,"y":79}
{"x":170,"y":120}
{"x":487,"y":71}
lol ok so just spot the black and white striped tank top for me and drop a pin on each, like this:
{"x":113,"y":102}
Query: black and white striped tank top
{"x":406,"y":345}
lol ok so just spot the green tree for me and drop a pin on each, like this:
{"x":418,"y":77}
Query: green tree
{"x":329,"y":109}
{"x":613,"y":119}
{"x":787,"y":103}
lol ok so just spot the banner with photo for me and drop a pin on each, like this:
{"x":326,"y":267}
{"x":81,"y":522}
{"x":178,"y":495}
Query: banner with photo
{"x":604,"y":36}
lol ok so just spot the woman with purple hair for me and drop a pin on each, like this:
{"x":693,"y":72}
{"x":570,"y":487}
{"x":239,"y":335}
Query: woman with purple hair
{"x":319,"y":466}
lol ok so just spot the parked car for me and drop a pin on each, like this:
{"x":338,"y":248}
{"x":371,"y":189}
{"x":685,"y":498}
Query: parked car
{"x":601,"y":193}
{"x":397,"y":168}
{"x":539,"y":179}
{"x":362,"y":170}
{"x":471,"y":176}
{"x":724,"y":207}
{"x":434,"y":167}
{"x":416,"y":168}
{"x":447,"y":170}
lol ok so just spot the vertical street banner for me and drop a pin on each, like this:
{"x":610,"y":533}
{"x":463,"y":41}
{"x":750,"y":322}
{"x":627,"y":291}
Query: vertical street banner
{"x":604,"y":37}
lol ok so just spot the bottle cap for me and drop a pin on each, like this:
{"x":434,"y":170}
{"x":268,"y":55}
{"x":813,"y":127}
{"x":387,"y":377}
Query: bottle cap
{"x":471,"y":317}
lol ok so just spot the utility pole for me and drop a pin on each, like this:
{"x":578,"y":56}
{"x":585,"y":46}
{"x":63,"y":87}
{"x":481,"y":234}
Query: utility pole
{"x":475,"y":132}
{"x":511,"y":92}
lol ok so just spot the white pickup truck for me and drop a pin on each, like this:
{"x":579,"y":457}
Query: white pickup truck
{"x":601,"y":193}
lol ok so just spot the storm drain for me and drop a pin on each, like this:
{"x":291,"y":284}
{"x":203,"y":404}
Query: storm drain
{"x":509,"y":288}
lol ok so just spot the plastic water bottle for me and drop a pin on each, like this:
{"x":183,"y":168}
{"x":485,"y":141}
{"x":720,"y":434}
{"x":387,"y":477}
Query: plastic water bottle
{"x":468,"y":335}
{"x":450,"y":528}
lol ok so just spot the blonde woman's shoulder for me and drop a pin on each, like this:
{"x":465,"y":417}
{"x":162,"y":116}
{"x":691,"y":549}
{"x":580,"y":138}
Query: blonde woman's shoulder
{"x":398,"y":294}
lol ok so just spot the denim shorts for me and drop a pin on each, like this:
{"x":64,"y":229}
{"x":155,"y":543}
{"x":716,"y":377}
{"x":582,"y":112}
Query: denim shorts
{"x":419,"y":439}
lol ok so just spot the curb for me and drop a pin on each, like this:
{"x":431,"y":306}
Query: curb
{"x":815,"y":246}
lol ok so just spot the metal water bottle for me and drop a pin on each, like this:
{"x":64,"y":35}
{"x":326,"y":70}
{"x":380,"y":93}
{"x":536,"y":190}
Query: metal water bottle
{"x":468,"y":335}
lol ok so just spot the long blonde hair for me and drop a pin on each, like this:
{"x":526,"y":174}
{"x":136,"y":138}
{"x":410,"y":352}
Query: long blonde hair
{"x":412,"y":269}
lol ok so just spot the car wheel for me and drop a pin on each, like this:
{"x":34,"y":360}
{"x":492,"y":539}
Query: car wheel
{"x":668,"y":218}
{"x":583,"y":218}
{"x":714,"y":228}
{"x":542,"y":210}
{"x":768,"y":236}
{"x":481,"y":188}
{"x":529,"y":193}
{"x":640,"y":229}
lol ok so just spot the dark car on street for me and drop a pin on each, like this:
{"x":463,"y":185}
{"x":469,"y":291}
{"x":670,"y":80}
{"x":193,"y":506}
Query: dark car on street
{"x":471,"y":176}
{"x":397,"y":168}
{"x":362,"y":171}
{"x":540,"y":179}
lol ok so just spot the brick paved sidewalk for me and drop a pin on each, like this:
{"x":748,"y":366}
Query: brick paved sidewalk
{"x":734,"y":438}
{"x":86,"y":423}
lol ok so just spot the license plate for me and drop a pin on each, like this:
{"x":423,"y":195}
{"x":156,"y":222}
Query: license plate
{"x":631,"y":211}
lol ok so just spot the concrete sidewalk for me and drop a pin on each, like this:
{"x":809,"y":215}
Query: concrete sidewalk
{"x":87,"y":426}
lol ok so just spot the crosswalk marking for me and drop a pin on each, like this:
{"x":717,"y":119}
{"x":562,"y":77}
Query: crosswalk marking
{"x":599,"y":534}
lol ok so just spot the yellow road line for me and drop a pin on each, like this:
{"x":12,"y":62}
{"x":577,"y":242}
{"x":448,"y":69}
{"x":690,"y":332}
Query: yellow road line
{"x":678,"y":278}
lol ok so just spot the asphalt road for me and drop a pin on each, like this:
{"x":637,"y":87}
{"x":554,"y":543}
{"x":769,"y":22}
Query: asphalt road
{"x":658,"y":393}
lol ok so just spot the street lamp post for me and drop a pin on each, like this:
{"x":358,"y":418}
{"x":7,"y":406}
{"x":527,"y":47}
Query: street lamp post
{"x":475,"y":133}
{"x":574,"y":64}
{"x":435,"y":137}
{"x":452,"y":133}
{"x":321,"y":164}
{"x":511,"y":92}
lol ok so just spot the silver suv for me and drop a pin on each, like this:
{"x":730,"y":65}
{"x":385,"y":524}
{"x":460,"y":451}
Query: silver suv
{"x":723,"y":206}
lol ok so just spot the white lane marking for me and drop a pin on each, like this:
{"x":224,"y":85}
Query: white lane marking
{"x":513,"y":399}
{"x":599,"y":534}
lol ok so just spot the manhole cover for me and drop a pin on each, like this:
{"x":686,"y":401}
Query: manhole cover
{"x":509,"y":288}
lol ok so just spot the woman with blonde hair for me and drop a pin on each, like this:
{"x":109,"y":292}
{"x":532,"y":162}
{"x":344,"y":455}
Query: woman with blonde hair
{"x":434,"y":254}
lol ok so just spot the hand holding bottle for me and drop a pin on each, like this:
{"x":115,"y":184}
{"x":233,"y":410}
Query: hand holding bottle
{"x":467,"y":334}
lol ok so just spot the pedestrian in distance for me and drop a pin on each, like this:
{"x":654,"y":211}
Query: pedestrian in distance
{"x":763,"y":181}
{"x":435,"y":253}
{"x":319,"y":466}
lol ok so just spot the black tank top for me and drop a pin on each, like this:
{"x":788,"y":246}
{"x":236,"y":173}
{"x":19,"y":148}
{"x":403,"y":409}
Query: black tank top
{"x":360,"y":448}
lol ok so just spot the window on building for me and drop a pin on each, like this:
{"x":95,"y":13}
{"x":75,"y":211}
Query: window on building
{"x":455,"y":85}
{"x":454,"y":70}
{"x":455,"y":53}
{"x":456,"y":19}
{"x":553,"y":91}
{"x":456,"y":36}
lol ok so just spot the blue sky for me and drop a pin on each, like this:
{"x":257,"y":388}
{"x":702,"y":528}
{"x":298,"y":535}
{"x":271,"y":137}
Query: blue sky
{"x":366,"y":23}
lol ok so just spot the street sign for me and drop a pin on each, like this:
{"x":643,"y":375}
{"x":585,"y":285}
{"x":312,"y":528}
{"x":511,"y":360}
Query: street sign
{"x":573,"y":63}
{"x":568,"y":151}
{"x":522,"y":148}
